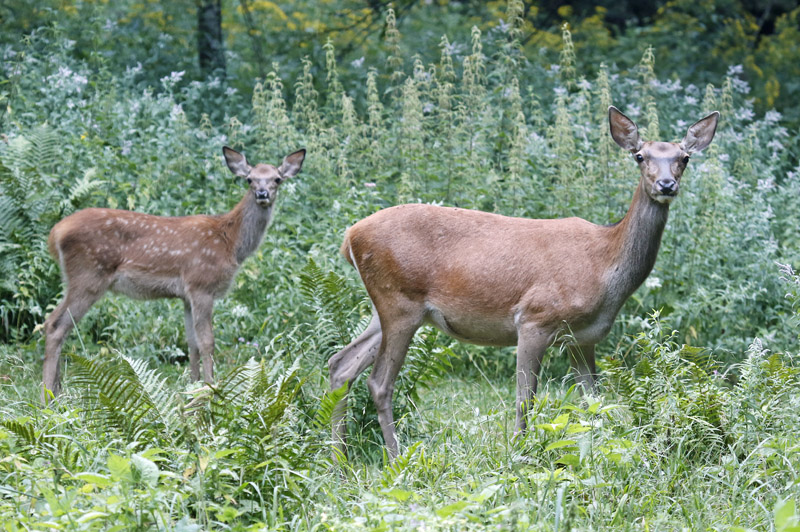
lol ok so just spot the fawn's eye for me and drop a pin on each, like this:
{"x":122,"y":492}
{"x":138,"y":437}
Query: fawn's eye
{"x":249,"y":180}
{"x":686,"y":160}
{"x":639,"y":157}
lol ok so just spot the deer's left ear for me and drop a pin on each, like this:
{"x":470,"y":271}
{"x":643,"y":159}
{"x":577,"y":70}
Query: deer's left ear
{"x":292,"y":163}
{"x":700,"y":134}
{"x":236,"y":162}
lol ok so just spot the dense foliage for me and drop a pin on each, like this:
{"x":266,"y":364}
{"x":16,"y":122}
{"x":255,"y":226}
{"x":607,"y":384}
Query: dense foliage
{"x":694,"y":423}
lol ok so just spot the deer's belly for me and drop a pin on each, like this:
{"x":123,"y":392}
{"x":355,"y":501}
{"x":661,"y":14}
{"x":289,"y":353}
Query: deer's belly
{"x":593,"y":330}
{"x":140,"y":286}
{"x":480,"y":330}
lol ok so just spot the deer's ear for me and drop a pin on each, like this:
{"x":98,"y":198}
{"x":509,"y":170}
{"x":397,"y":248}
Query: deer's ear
{"x":236,"y":162}
{"x":700,"y":134}
{"x":292,"y":164}
{"x":624,"y":131}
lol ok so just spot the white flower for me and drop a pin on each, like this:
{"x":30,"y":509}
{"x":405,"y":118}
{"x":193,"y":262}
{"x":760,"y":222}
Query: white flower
{"x":744,"y":114}
{"x":357,"y":62}
{"x":775,"y":144}
{"x":735,"y":70}
{"x":240,"y":311}
{"x":740,"y":86}
{"x":653,"y":282}
{"x":766,"y":184}
{"x":772,"y":117}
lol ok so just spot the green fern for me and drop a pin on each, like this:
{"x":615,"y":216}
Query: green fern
{"x":324,"y":414}
{"x":80,"y":190}
{"x":42,"y":441}
{"x":395,"y":469}
{"x":328,"y":296}
{"x":118,"y":394}
{"x":671,"y":394}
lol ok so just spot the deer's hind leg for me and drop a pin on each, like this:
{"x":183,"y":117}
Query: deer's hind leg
{"x":581,"y":358}
{"x":345,"y":366}
{"x":79,"y":299}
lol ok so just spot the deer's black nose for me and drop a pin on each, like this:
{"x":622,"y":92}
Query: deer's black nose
{"x":262,"y":194}
{"x":666,"y":186}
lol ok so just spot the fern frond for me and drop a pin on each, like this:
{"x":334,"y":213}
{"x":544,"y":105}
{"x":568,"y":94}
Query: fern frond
{"x":80,"y":190}
{"x":323,"y":417}
{"x":398,"y":466}
{"x":113,"y":396}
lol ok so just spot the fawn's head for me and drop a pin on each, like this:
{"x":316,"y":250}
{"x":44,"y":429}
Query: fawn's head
{"x":264,"y":179}
{"x":661,"y":163}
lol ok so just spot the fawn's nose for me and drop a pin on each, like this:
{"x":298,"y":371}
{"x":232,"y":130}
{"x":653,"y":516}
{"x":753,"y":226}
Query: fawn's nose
{"x":667,"y":186}
{"x":262,"y":194}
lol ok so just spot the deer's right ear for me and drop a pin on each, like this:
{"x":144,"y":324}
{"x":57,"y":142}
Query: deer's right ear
{"x":236,"y":162}
{"x":623,"y":130}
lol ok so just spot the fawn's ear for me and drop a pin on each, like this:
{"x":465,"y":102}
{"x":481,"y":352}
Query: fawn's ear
{"x":292,"y":164}
{"x":700,"y":134}
{"x":236,"y":162}
{"x":624,"y":131}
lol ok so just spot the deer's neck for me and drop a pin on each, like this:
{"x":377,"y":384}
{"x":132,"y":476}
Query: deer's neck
{"x":639,"y":234}
{"x":248,"y":222}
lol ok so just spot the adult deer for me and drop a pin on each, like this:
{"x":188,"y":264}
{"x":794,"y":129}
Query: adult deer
{"x":493,"y":280}
{"x":193,"y":258}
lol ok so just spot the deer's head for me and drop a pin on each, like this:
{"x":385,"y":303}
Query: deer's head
{"x":661,"y":163}
{"x":264,"y":179}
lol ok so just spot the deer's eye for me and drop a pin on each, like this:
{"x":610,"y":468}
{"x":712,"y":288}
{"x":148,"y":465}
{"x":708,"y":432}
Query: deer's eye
{"x":686,"y":160}
{"x":278,"y":180}
{"x":249,"y":180}
{"x":639,"y":157}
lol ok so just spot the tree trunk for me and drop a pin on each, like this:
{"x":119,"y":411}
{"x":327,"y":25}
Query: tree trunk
{"x":209,"y":36}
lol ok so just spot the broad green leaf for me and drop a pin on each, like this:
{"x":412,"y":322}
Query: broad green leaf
{"x":398,"y":494}
{"x":450,"y":509}
{"x":147,"y":469}
{"x":560,"y":443}
{"x":569,"y":459}
{"x":94,"y":478}
{"x":119,"y":466}
{"x":577,"y":429}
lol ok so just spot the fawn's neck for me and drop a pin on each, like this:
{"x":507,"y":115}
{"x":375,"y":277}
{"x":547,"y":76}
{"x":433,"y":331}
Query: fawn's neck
{"x":248,"y":222}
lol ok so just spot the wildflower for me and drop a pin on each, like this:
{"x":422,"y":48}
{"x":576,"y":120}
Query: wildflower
{"x":240,"y":311}
{"x":356,"y":63}
{"x":653,"y":282}
{"x":744,"y":114}
{"x":766,"y":184}
{"x":174,"y":77}
{"x":740,"y":86}
{"x":772,"y":117}
{"x":735,"y":70}
{"x":775,"y":144}
{"x":370,"y":185}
